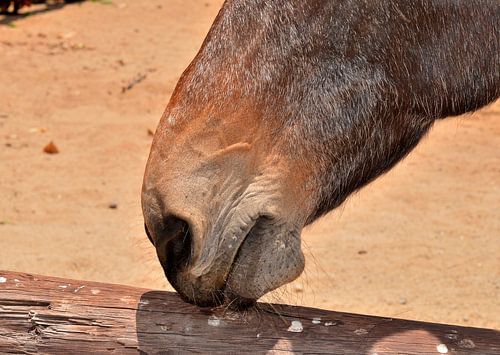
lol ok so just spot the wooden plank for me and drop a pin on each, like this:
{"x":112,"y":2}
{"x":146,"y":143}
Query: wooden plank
{"x":53,"y":315}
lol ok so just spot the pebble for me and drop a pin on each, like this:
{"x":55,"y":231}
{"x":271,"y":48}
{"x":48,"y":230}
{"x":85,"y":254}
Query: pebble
{"x":296,"y":327}
{"x":51,"y":148}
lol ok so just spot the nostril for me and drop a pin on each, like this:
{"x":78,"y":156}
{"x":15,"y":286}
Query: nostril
{"x":172,"y":240}
{"x":173,"y":228}
{"x":174,"y":247}
{"x":161,"y":231}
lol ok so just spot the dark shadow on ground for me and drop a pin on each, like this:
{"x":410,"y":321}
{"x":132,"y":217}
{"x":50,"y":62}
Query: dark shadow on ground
{"x":10,"y":19}
{"x":165,"y":324}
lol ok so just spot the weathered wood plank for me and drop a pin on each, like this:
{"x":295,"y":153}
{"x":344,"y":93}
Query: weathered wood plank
{"x":53,"y":315}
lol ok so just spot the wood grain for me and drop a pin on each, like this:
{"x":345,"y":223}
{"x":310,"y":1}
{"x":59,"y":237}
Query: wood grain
{"x":52,"y":315}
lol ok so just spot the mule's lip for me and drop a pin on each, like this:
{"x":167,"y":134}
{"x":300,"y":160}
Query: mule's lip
{"x":208,"y":287}
{"x":219,"y":260}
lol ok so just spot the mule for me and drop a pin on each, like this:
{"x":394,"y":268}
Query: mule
{"x":288,"y":108}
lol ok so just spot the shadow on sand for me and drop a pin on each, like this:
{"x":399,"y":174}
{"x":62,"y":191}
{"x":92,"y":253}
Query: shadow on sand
{"x":10,"y":19}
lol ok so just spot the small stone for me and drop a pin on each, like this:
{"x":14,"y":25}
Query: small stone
{"x":316,"y":321}
{"x":51,"y":148}
{"x":296,"y":327}
{"x":330,"y":324}
{"x":442,"y":349}
{"x":2,"y":280}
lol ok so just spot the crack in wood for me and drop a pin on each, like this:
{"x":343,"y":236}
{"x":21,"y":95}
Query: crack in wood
{"x":24,"y":303}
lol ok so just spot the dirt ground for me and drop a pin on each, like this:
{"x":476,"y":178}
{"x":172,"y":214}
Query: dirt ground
{"x":422,"y":242}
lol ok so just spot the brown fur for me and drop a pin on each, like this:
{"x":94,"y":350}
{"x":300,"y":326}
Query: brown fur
{"x":290,"y":107}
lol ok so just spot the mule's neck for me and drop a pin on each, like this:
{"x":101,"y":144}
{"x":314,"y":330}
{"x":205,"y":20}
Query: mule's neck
{"x":453,"y":62}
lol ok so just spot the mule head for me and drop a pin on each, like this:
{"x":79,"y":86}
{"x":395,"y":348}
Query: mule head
{"x":224,"y":202}
{"x":275,"y":122}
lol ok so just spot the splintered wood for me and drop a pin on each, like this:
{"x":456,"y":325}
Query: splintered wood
{"x":52,"y":315}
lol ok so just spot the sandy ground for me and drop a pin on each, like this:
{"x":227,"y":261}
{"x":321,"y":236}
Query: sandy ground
{"x":422,"y":242}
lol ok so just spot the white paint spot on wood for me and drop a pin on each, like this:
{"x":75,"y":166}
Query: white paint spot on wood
{"x":63,"y":286}
{"x":258,"y":335}
{"x":2,"y":280}
{"x":78,"y":289}
{"x":95,"y":292}
{"x":316,"y":321}
{"x":442,"y":349}
{"x":16,"y":280}
{"x":329,"y":324}
{"x":213,"y":321}
{"x":171,"y":120}
{"x":361,"y":331}
{"x":296,"y":327}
